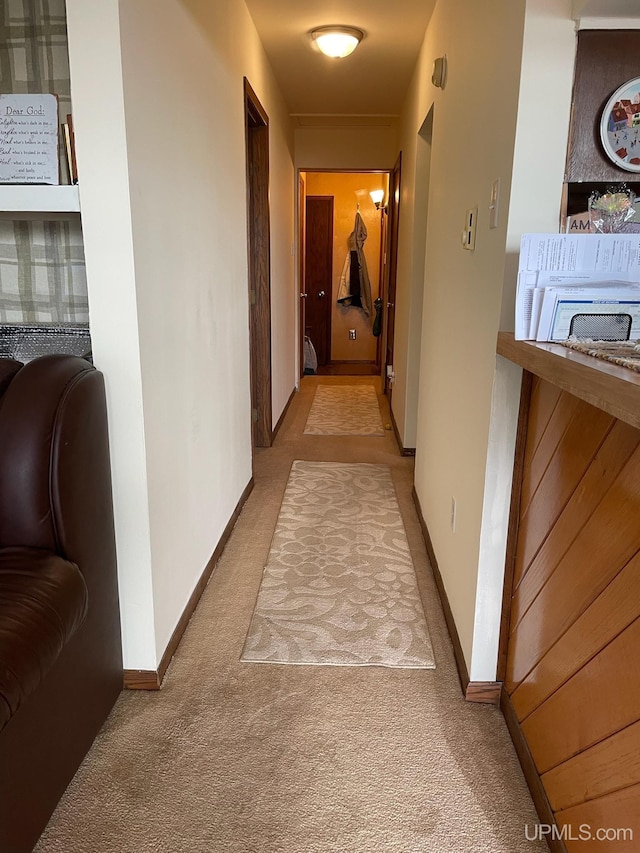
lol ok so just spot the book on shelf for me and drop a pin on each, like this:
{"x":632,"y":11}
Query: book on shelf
{"x":70,"y":149}
{"x":578,"y":223}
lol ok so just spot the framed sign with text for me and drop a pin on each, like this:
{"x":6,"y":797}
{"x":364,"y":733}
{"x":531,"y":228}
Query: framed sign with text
{"x":29,"y":139}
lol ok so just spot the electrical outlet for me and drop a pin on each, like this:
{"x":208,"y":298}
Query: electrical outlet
{"x":352,"y":334}
{"x":468,"y":236}
{"x":453,"y":514}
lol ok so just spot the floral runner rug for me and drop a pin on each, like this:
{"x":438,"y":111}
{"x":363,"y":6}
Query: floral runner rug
{"x":344,"y":410}
{"x":339,"y":587}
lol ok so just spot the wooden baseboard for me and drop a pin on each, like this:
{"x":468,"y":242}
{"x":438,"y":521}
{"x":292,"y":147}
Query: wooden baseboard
{"x":404,"y":451}
{"x":141,"y":679}
{"x":461,"y":664}
{"x":136,"y":679}
{"x":487,"y":692}
{"x":538,"y":794}
{"x":283,"y":415}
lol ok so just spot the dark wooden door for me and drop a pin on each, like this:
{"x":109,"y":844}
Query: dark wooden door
{"x":319,"y":274}
{"x":390,"y":307}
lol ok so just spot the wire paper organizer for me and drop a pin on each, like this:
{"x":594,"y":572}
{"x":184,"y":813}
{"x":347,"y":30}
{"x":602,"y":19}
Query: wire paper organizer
{"x":600,"y":327}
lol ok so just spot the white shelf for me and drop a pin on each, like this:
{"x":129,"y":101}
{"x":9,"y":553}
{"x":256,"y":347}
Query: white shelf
{"x":35,"y":198}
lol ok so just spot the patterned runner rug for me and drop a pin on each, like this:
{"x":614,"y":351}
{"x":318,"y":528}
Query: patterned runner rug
{"x":624,"y":353}
{"x":344,"y":410}
{"x":339,"y":587}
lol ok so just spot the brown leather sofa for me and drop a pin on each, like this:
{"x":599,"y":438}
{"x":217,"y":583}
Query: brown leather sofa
{"x":60,"y":653}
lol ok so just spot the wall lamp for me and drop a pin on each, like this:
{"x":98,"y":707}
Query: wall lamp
{"x":337,"y":42}
{"x":377,"y":197}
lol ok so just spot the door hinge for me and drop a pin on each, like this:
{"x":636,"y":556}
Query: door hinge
{"x":253,"y":297}
{"x":254,"y":415}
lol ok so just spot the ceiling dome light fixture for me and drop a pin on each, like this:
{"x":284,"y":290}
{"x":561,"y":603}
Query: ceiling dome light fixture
{"x":337,"y":42}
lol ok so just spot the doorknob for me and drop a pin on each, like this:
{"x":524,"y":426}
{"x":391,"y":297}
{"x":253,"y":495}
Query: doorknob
{"x":303,"y":296}
{"x":389,"y":304}
{"x":321,"y":293}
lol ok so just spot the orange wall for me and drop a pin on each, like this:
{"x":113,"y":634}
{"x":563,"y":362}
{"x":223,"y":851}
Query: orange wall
{"x":348,"y":189}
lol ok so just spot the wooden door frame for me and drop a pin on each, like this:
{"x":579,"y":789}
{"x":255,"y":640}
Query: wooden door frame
{"x":383,"y":279}
{"x":301,"y":266}
{"x":304,"y":170}
{"x":393,"y":208}
{"x":259,"y":265}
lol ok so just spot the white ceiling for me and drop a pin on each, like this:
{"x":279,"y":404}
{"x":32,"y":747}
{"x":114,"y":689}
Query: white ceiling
{"x":373,"y":81}
{"x":370,"y":82}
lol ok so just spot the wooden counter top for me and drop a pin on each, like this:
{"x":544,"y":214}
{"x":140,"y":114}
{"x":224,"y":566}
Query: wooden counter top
{"x":613,"y":389}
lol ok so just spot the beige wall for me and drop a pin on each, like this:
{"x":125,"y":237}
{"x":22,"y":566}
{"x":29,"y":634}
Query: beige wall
{"x":348,"y":190}
{"x":164,"y":216}
{"x":471,"y":147}
{"x":466,"y":399}
{"x":353,"y":148}
{"x":545,"y":91}
{"x":547,"y":76}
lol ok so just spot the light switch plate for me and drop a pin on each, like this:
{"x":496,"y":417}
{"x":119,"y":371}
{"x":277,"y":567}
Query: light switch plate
{"x":494,"y":204}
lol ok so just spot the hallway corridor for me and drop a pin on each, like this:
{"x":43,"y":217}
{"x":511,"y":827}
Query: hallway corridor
{"x":233,"y":757}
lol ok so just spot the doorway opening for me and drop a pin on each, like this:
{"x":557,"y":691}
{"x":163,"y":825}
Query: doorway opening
{"x":341,"y":329}
{"x":257,"y":150}
{"x":418,"y":286}
{"x":421,"y":221}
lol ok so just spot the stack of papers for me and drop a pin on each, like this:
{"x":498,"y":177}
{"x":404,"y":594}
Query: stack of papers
{"x":564,"y":276}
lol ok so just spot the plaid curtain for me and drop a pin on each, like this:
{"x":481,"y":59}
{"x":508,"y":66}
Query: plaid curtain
{"x":42,"y":273}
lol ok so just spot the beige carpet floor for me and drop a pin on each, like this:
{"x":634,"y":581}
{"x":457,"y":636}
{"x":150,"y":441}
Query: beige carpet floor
{"x":232,"y":757}
{"x":339,"y":586}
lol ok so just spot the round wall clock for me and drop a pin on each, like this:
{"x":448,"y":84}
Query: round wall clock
{"x":620,"y":126}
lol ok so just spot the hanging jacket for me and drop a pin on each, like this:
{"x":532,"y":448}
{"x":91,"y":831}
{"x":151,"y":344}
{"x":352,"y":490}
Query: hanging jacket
{"x":355,"y":288}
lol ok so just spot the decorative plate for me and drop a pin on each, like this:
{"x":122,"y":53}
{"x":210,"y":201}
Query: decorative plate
{"x":620,"y":126}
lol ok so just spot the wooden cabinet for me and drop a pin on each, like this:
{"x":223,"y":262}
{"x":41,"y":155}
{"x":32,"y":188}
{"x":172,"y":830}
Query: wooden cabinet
{"x":572,"y":646}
